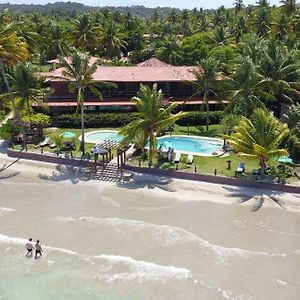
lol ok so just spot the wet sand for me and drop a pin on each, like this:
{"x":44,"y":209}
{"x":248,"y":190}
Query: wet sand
{"x":152,"y":238}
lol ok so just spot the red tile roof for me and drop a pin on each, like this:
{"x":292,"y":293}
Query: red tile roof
{"x":151,"y":70}
{"x":133,"y":74}
{"x":153,"y":62}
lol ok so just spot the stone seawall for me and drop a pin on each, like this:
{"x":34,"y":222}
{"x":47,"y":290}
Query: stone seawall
{"x":51,"y":159}
{"x":166,"y":173}
{"x":216,"y":179}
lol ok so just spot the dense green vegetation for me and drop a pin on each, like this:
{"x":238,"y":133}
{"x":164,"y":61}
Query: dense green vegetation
{"x":248,"y":55}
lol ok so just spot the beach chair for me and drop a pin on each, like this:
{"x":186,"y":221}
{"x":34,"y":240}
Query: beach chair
{"x":45,"y":142}
{"x":52,"y":146}
{"x":240,"y":169}
{"x":190,"y":159}
{"x":177,"y":158}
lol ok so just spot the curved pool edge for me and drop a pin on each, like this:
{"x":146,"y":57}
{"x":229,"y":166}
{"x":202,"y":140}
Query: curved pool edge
{"x":86,"y":135}
{"x":219,"y":152}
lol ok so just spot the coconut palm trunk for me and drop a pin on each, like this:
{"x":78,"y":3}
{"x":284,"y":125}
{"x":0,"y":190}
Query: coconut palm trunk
{"x":206,"y":101}
{"x":12,"y":99}
{"x":81,"y":103}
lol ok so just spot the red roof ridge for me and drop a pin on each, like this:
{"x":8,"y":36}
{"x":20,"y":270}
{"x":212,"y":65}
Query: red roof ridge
{"x":153,"y":62}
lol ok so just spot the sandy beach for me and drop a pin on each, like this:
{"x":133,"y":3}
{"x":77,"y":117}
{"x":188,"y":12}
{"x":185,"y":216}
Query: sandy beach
{"x":150,"y":238}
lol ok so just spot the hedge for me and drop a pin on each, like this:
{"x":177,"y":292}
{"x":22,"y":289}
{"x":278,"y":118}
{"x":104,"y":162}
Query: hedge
{"x":195,"y":118}
{"x":96,"y":119}
{"x":121,"y":119}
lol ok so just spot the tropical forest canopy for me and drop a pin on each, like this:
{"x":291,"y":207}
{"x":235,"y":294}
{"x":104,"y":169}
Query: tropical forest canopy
{"x":255,"y":47}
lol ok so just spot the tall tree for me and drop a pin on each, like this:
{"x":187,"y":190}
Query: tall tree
{"x":57,"y":43}
{"x":259,"y":137}
{"x":206,"y":81}
{"x":26,"y":87}
{"x":84,"y":32}
{"x":247,"y":88}
{"x":79,"y":72}
{"x":13,"y":49}
{"x":281,"y":66}
{"x":111,"y":40}
{"x":288,"y":6}
{"x":169,"y":50}
{"x":238,"y":5}
{"x":154,"y":118}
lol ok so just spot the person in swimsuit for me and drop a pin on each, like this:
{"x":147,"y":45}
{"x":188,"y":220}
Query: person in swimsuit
{"x":29,"y":247}
{"x":38,"y":249}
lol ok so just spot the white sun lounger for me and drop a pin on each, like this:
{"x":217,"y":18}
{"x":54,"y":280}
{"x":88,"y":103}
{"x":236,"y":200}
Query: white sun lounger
{"x":45,"y":142}
{"x":177,"y":157}
{"x":190,"y":159}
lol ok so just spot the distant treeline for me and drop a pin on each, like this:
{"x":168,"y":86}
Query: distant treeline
{"x":72,"y":9}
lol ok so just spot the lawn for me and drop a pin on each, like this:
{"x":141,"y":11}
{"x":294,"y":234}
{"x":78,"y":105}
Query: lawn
{"x":204,"y":165}
{"x":215,"y":131}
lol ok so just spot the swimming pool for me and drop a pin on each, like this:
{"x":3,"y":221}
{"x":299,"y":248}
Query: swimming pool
{"x":201,"y":146}
{"x":102,"y":135}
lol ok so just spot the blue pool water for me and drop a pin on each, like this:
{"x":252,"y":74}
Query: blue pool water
{"x":186,"y":144}
{"x":100,"y":136}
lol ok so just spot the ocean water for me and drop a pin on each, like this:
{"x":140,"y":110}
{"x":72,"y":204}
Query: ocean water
{"x":118,"y":243}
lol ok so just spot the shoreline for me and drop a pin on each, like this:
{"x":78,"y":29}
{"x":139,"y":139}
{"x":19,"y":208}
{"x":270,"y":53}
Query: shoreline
{"x":182,"y":190}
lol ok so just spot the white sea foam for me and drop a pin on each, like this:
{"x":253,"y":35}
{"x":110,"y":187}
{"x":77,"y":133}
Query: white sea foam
{"x":21,"y":241}
{"x":281,"y":282}
{"x":132,"y":270}
{"x":171,"y":235}
{"x":6,"y":210}
{"x":139,"y":270}
{"x":63,"y":219}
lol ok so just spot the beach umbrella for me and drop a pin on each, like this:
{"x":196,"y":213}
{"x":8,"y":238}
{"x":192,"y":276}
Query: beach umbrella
{"x":284,"y":160}
{"x":68,"y":134}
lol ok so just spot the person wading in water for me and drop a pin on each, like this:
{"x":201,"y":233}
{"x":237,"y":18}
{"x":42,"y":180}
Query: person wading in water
{"x":38,"y":249}
{"x":29,"y":247}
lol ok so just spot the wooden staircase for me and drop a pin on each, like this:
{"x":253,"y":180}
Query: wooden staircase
{"x":110,"y":173}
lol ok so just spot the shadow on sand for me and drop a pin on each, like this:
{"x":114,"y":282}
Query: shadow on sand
{"x":148,"y":181}
{"x":256,"y":196}
{"x":6,"y":167}
{"x":64,"y":173}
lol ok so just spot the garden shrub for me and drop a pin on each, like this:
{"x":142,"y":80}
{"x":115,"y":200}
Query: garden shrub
{"x":96,"y":120}
{"x":195,"y":118}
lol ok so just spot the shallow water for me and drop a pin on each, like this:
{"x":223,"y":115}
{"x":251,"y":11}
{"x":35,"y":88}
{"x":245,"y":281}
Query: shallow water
{"x":116,"y":243}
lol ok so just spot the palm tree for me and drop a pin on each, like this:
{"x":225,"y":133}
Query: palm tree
{"x":153,"y":119}
{"x":262,"y":21}
{"x":13,"y":49}
{"x":292,"y":118}
{"x":25,"y":86}
{"x":228,"y":123}
{"x":220,"y":36}
{"x":281,"y":66}
{"x":259,"y":137}
{"x":240,"y":27}
{"x":84,"y":33}
{"x":112,"y":40}
{"x":80,"y":74}
{"x":206,"y":81}
{"x":288,"y":6}
{"x":281,"y":28}
{"x":169,"y":50}
{"x":238,"y":5}
{"x":56,"y":41}
{"x":246,"y":88}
